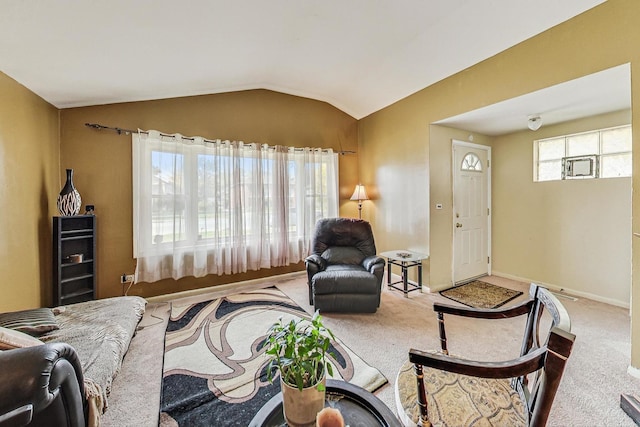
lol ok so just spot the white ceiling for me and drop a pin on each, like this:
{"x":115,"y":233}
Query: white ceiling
{"x":598,"y":93}
{"x":358,"y":55}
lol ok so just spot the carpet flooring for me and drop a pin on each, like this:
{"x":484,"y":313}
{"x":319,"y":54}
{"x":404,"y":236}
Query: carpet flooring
{"x":214,"y":362}
{"x":480,"y":294}
{"x":589,"y":393}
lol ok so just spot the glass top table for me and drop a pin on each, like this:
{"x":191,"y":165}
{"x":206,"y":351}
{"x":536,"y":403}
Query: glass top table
{"x":357,"y":406}
{"x":404,"y":259}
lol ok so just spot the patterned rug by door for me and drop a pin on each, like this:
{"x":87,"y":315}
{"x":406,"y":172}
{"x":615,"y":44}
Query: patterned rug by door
{"x":214,"y":370}
{"x":480,"y":294}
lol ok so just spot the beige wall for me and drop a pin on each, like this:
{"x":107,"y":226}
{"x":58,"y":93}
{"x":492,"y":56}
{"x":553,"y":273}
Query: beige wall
{"x":399,"y":134}
{"x":441,"y":176}
{"x":604,"y":37}
{"x":102,"y":161}
{"x":29,"y":185}
{"x":573,"y":234}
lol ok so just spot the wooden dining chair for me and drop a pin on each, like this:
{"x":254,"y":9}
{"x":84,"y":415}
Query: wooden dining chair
{"x":435,"y":388}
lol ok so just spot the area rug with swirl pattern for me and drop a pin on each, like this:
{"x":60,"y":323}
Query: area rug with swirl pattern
{"x":480,"y":294}
{"x":214,"y":370}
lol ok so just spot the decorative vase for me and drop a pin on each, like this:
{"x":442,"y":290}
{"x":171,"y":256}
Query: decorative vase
{"x":300,"y":408}
{"x":69,"y":201}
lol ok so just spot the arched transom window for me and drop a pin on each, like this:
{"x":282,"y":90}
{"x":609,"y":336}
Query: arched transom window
{"x":471,"y":162}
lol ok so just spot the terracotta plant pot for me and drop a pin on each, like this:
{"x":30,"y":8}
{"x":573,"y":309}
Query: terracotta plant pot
{"x":301,"y":407}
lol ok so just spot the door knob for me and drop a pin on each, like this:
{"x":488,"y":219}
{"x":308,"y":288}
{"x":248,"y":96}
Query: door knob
{"x":458,"y":225}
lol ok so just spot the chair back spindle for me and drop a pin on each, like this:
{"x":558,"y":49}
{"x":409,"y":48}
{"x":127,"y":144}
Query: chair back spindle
{"x":443,"y":333}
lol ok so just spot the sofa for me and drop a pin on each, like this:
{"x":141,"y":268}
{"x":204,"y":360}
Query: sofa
{"x":58,"y":368}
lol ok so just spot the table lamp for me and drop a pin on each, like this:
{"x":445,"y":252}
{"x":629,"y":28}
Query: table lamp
{"x":359,"y":194}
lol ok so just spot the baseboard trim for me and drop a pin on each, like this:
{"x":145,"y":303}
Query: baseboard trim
{"x":567,"y":291}
{"x":634,"y":372}
{"x":235,"y":286}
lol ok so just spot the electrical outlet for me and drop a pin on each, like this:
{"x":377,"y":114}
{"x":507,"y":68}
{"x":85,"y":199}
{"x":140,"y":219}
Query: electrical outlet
{"x":126,"y":278}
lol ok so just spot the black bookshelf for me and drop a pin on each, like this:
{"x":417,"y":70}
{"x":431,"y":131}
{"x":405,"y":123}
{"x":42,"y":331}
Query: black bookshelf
{"x":74,"y":259}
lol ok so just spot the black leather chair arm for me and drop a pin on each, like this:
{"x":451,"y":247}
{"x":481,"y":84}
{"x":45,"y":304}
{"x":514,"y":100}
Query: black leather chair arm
{"x":47,"y":377}
{"x":313,"y":263}
{"x":316,"y":262}
{"x":373,"y":262}
{"x":375,"y":265}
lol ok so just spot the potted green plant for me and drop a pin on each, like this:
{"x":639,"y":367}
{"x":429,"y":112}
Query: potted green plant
{"x":298,"y":350}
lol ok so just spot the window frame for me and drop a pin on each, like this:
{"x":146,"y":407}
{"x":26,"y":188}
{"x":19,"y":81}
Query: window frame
{"x":561,"y":160}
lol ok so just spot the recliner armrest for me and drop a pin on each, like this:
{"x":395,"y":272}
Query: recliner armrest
{"x":48,"y":377}
{"x":373,"y":262}
{"x":315,"y":261}
{"x":313,"y":264}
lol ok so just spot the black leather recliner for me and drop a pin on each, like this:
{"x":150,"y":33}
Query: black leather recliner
{"x":42,"y":386}
{"x":344,"y":273}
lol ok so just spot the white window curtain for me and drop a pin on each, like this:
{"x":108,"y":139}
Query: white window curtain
{"x":221,"y":207}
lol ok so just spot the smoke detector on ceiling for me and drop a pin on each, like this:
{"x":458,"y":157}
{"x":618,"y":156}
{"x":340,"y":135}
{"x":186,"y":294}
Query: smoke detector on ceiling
{"x":534,"y":122}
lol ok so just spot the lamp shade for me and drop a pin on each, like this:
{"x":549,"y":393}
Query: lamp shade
{"x":359,"y":193}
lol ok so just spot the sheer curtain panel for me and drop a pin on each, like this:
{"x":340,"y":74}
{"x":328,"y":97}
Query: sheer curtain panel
{"x":222,"y":207}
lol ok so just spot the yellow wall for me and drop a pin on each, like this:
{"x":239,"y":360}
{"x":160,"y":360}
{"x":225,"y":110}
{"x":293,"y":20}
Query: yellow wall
{"x":573,"y":234}
{"x":601,"y":38}
{"x":101,"y":161}
{"x":29,"y":185}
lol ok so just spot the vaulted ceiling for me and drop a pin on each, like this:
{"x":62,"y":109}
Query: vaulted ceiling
{"x":358,"y":55}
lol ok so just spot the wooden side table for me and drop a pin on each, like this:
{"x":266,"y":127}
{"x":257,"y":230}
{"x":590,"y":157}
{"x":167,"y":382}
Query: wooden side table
{"x":357,"y":406}
{"x":404,"y":259}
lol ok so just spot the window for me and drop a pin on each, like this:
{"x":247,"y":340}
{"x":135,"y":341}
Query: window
{"x":471,"y":162}
{"x":222,"y":207}
{"x":604,"y":153}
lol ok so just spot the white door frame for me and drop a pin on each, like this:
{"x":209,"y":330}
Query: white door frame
{"x":458,"y":143}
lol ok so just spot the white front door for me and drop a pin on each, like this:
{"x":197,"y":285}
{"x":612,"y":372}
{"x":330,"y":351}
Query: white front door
{"x":471,"y":214}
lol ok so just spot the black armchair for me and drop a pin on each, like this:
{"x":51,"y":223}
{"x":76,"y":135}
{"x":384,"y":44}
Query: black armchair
{"x":42,"y":386}
{"x":343,"y":271}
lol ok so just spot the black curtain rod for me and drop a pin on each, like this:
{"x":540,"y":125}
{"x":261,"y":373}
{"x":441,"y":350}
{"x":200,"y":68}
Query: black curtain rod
{"x":121,"y":131}
{"x":101,"y":127}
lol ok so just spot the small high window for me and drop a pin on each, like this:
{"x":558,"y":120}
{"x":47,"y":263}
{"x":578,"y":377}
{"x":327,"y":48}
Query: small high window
{"x":603,"y":153}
